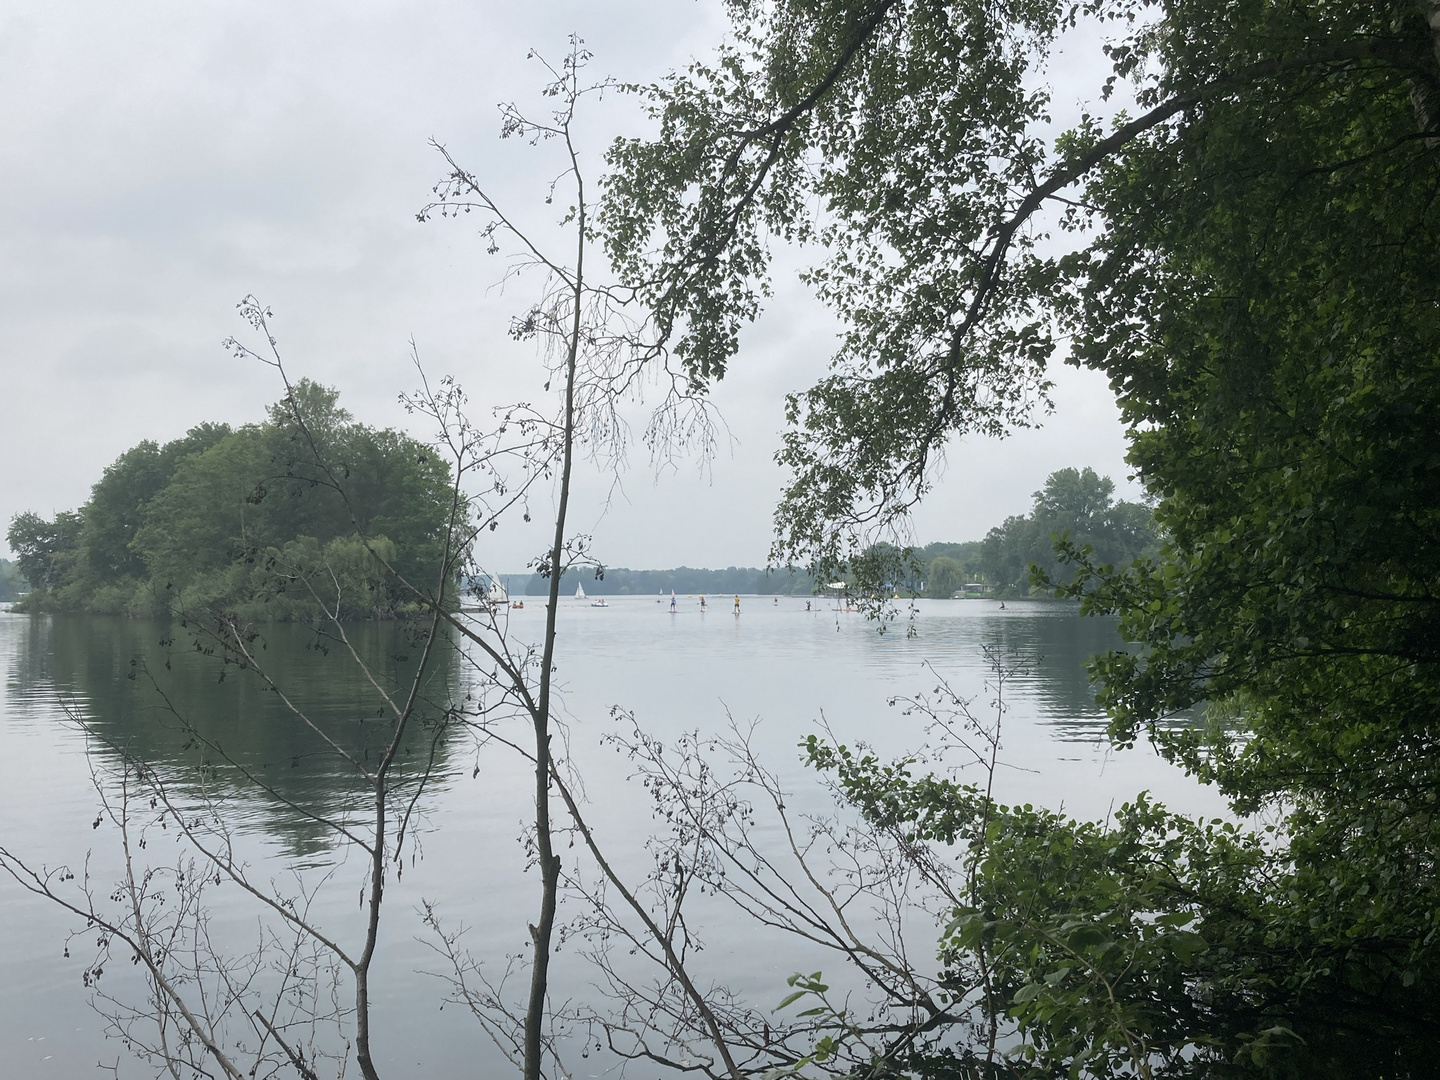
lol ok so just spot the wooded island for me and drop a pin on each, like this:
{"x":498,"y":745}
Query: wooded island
{"x":264,"y":521}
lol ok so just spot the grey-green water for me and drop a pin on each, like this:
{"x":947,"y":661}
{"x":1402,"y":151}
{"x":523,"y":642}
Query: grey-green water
{"x":145,"y":687}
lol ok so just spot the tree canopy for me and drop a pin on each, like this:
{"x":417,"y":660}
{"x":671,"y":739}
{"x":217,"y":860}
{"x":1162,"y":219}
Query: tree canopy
{"x":269,"y":520}
{"x":1250,"y":256}
{"x":1078,"y":507}
{"x":904,"y":140}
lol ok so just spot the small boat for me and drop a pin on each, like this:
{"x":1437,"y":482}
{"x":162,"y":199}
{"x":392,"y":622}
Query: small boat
{"x":517,"y":605}
{"x":598,"y":603}
{"x":580,"y":592}
{"x":497,"y":596}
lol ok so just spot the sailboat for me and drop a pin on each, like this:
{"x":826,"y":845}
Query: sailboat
{"x":497,"y":594}
{"x":580,"y":591}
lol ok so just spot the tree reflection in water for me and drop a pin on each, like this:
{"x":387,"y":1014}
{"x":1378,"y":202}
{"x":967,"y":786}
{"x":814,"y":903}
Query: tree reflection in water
{"x":212,"y":727}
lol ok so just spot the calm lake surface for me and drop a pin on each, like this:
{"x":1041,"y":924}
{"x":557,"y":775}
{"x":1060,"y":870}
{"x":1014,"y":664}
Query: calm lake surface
{"x":783,"y":669}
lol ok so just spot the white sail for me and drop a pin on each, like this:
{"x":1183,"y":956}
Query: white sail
{"x":580,"y":592}
{"x":497,"y":593}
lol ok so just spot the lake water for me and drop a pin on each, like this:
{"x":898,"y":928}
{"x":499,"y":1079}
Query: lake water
{"x":783,"y":669}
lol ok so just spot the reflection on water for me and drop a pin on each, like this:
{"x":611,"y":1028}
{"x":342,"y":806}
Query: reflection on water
{"x":1058,"y":646}
{"x":163,"y":694}
{"x":776,"y":663}
{"x":1050,"y":646}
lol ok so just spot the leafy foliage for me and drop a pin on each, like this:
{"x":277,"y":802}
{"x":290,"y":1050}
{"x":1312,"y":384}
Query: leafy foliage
{"x":1254,"y":270}
{"x":275,"y":520}
{"x":906,"y":124}
{"x":117,"y":503}
{"x":46,"y":550}
{"x":1150,"y":945}
{"x":1075,"y":506}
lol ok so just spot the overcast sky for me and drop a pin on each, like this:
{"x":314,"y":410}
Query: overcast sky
{"x":160,"y":160}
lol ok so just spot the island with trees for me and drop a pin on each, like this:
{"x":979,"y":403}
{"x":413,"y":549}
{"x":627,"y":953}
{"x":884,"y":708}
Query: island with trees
{"x":306,"y":512}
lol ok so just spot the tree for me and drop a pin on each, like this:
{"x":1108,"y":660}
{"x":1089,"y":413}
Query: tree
{"x":600,"y":354}
{"x":961,"y":564}
{"x":117,"y":504}
{"x":913,"y":127}
{"x":1253,"y":259}
{"x":45,"y":551}
{"x":1074,"y":508}
{"x":943,"y":577}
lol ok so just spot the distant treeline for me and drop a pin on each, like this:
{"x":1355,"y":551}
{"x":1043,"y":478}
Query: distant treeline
{"x":260,"y":521}
{"x":1076,"y":503}
{"x":684,"y":580}
{"x":12,"y":581}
